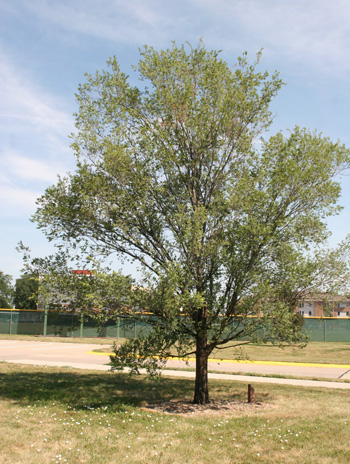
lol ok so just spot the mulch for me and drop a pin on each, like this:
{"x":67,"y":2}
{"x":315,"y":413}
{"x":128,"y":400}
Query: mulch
{"x":187,"y":408}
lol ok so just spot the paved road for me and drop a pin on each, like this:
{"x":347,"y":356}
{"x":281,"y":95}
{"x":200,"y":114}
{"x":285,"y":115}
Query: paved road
{"x":81,"y":356}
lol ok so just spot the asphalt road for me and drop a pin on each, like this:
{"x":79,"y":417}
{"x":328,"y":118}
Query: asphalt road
{"x":82,"y":356}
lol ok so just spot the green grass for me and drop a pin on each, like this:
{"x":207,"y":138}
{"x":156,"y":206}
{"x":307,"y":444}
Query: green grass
{"x":53,"y":415}
{"x":314,"y":352}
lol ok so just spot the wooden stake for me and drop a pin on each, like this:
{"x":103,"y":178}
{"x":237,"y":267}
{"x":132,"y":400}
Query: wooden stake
{"x":251,"y":394}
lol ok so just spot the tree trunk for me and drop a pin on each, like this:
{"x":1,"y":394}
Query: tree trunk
{"x":201,"y":390}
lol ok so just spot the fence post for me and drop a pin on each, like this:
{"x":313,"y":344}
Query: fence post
{"x":45,"y":317}
{"x":81,"y":325}
{"x":118,"y":328}
{"x":10,"y":322}
{"x":324,"y":330}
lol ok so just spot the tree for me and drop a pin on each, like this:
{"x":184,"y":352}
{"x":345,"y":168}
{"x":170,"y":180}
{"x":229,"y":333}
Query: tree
{"x":65,"y":282}
{"x":6,"y":291}
{"x":175,"y":176}
{"x":26,"y":292}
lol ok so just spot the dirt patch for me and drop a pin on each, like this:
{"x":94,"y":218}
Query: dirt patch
{"x":186,"y":408}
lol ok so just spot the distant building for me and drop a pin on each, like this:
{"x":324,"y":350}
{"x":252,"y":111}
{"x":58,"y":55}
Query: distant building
{"x":80,"y":272}
{"x":325,"y":305}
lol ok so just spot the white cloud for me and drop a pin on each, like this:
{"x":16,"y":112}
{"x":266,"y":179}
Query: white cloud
{"x":117,"y":21}
{"x":22,"y":181}
{"x":18,"y":166}
{"x":16,"y":201}
{"x":33,"y":141}
{"x":313,"y":33}
{"x":26,"y":107}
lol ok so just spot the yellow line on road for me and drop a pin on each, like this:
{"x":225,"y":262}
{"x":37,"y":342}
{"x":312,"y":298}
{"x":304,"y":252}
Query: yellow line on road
{"x":238,"y":361}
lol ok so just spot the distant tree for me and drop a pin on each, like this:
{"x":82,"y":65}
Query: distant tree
{"x":6,"y":291}
{"x":26,"y":292}
{"x":64,"y":285}
{"x":174,"y":174}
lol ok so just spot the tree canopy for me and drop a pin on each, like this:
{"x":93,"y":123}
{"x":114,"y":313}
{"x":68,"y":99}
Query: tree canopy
{"x":26,"y":292}
{"x":6,"y":291}
{"x":175,"y":175}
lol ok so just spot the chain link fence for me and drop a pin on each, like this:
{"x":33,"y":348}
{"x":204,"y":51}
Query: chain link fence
{"x":38,"y":322}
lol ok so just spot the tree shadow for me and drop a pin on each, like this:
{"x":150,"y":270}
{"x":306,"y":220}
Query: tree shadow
{"x":115,"y":390}
{"x":82,"y":389}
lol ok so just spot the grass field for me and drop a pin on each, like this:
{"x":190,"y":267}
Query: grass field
{"x":314,"y":352}
{"x":65,"y":416}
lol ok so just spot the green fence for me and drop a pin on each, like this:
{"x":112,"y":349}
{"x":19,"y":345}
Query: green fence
{"x":72,"y":325}
{"x":38,"y":322}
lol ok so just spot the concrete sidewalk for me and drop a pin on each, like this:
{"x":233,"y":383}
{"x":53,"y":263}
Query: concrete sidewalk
{"x":190,"y":374}
{"x":273,"y":368}
{"x":84,"y":356}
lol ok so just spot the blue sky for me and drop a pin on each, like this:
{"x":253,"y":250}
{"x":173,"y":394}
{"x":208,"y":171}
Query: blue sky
{"x":46,"y":47}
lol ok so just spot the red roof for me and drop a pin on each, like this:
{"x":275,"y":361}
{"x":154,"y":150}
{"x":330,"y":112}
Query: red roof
{"x":82,"y":272}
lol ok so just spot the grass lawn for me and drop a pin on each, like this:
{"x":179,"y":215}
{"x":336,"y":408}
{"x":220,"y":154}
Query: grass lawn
{"x":314,"y":352}
{"x":51,"y":415}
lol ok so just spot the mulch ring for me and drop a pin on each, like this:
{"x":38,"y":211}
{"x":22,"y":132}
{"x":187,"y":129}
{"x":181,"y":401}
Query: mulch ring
{"x":186,"y":408}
